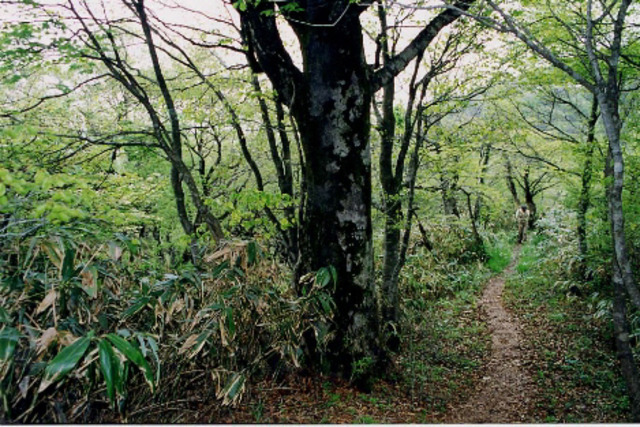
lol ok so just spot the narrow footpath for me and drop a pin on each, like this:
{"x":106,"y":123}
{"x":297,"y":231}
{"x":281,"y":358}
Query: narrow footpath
{"x":505,"y":393}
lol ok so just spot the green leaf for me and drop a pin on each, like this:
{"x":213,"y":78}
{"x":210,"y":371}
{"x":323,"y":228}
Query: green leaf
{"x":219,"y":269}
{"x":323,"y":277}
{"x":200,"y":342}
{"x":109,"y":368}
{"x":232,"y":391}
{"x":252,"y":253}
{"x":90,"y":281}
{"x":241,"y":5}
{"x":4,"y":316}
{"x":143,"y":347}
{"x":67,"y":264}
{"x":8,"y":340}
{"x":325,"y":301}
{"x":64,"y":362}
{"x":334,"y":275}
{"x":134,"y":356}
{"x":154,"y":350}
{"x":216,"y":306}
{"x":231,"y":325}
{"x":135,"y":307}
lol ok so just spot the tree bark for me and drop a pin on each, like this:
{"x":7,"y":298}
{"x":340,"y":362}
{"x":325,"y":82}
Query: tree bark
{"x":529,"y":195}
{"x":587,"y":173}
{"x":334,"y":128}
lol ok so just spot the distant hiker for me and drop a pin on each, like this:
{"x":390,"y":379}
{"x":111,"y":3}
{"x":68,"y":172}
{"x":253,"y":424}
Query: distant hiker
{"x":522,"y":217}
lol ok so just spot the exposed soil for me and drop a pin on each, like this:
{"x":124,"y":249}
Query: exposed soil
{"x":506,"y":391}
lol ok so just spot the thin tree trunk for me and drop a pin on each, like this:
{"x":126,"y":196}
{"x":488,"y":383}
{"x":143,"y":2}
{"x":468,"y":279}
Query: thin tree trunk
{"x":529,"y":196}
{"x":282,"y":164}
{"x":479,"y":244}
{"x":391,"y":187}
{"x":178,"y":195}
{"x":511,"y":184}
{"x":213,"y":224}
{"x":611,"y":120}
{"x":288,"y":184}
{"x":449,"y":201}
{"x":414,"y":165}
{"x":392,"y":209}
{"x":607,"y":90}
{"x":620,"y":324}
{"x":391,"y":178}
{"x":587,"y":173}
{"x":484,"y":162}
{"x":179,"y":171}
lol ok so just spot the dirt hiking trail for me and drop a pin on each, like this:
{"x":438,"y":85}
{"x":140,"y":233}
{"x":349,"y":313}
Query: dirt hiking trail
{"x":505,"y":394}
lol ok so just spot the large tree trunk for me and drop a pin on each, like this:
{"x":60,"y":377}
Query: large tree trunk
{"x":334,"y":129}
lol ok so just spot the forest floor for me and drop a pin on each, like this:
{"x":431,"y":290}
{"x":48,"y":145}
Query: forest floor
{"x":495,"y":354}
{"x":501,"y":390}
{"x":507,"y":391}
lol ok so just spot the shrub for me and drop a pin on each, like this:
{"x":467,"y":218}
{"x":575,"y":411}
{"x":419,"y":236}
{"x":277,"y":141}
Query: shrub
{"x":81,"y":326}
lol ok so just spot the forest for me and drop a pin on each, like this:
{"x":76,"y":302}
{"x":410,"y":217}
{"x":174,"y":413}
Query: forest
{"x":306,"y":211}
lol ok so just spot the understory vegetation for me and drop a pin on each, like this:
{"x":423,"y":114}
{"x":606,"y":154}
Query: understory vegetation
{"x":568,"y":330}
{"x":105,"y":330}
{"x":111,"y":334}
{"x":99,"y":324}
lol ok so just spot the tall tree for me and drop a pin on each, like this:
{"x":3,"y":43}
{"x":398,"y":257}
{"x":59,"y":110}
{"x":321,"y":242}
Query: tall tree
{"x":330,"y":100}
